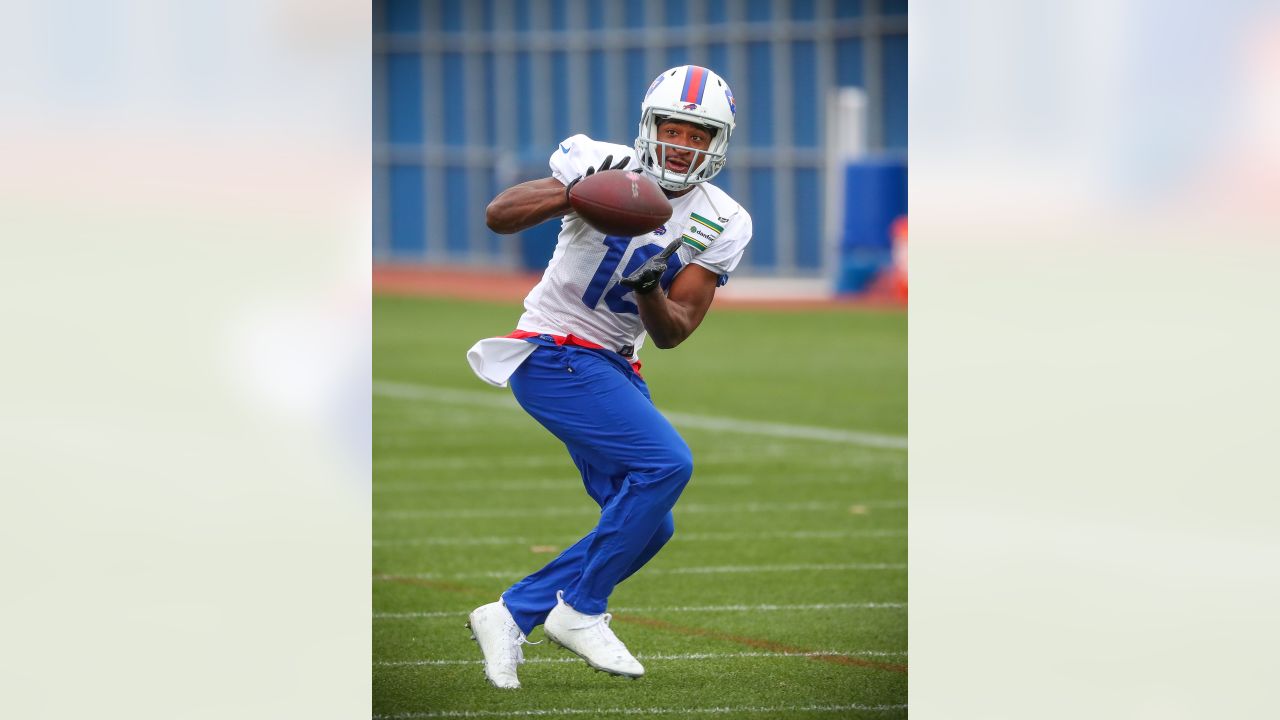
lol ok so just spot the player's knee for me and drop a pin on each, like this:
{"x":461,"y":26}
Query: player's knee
{"x":667,"y":470}
{"x":680,"y":464}
{"x":664,"y":532}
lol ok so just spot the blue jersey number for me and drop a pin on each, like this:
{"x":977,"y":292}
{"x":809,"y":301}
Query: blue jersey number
{"x":617,"y":246}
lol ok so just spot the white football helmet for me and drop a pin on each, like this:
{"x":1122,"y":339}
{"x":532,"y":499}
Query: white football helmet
{"x":690,"y":94}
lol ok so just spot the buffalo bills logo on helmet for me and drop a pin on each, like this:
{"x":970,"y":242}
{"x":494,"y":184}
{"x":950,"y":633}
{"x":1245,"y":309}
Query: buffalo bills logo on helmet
{"x":654,"y":86}
{"x":691,"y":106}
{"x":729,"y":95}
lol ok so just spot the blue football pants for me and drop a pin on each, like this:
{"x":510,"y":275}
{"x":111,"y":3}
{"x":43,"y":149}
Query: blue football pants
{"x":633,"y":463}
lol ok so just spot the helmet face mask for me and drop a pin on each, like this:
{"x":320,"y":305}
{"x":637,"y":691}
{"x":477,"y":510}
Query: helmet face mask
{"x":693,"y":95}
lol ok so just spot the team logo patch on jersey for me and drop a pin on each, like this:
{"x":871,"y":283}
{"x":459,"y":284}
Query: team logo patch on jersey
{"x":701,"y":233}
{"x":662,"y":230}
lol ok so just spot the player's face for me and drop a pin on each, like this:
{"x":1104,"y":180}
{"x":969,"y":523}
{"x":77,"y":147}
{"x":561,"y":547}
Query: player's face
{"x":684,"y":135}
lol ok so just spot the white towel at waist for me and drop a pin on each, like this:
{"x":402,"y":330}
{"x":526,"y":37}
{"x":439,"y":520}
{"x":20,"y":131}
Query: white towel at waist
{"x":493,"y":360}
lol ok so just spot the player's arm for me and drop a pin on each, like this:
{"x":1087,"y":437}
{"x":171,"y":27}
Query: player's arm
{"x":671,"y":318}
{"x":522,"y":206}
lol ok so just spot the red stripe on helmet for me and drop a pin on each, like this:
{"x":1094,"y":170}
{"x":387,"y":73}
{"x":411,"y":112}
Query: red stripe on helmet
{"x":693,"y":87}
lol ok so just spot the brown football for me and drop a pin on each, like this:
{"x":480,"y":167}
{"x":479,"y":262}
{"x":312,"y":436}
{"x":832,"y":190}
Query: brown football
{"x":620,"y":202}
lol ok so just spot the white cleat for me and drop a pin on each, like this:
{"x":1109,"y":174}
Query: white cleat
{"x":500,"y":639}
{"x":589,"y":637}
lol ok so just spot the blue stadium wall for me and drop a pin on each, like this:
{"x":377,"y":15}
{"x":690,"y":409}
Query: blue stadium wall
{"x":470,"y":96}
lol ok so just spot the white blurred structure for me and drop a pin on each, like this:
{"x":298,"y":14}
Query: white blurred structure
{"x":846,"y":140}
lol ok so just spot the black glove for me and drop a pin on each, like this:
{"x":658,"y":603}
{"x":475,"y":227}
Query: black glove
{"x":646,"y":277}
{"x":604,"y":165}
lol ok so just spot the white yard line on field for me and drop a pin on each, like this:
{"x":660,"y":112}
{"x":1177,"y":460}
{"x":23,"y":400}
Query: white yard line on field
{"x":707,"y":570}
{"x":482,"y":540}
{"x":680,"y":509}
{"x":787,"y":535}
{"x":686,"y":656}
{"x":491,"y":463}
{"x":562,"y":483}
{"x":679,"y":537}
{"x":749,"y":454}
{"x":786,"y":430}
{"x":687,"y":608}
{"x":798,"y":567}
{"x":410,"y":391}
{"x":735,"y":710}
{"x":407,"y":391}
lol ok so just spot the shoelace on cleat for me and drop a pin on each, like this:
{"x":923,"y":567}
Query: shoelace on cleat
{"x":522,"y":640}
{"x":601,"y":624}
{"x":604,"y":631}
{"x":515,"y":649}
{"x":594,"y":621}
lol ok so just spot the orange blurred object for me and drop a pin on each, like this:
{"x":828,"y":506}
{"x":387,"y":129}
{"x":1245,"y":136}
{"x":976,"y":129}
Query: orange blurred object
{"x":890,"y":284}
{"x":898,"y":231}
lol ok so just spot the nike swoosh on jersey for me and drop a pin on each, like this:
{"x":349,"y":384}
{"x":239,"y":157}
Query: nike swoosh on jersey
{"x":564,"y":149}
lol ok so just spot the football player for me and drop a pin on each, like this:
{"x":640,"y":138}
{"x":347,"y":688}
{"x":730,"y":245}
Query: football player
{"x":573,"y":361}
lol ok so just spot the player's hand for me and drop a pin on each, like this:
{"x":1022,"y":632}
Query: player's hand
{"x":604,"y":165}
{"x":646,"y":277}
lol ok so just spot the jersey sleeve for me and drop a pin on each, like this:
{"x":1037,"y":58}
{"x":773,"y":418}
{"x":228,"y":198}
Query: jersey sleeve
{"x":726,"y":252}
{"x":577,"y":153}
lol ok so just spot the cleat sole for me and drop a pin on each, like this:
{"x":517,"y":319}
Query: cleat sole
{"x":593,"y":666}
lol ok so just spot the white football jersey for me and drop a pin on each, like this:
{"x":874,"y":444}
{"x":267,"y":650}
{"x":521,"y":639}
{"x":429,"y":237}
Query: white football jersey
{"x":580,"y":293}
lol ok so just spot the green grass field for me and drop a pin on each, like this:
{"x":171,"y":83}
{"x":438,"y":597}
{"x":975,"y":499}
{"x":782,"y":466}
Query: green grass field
{"x":783,"y":593}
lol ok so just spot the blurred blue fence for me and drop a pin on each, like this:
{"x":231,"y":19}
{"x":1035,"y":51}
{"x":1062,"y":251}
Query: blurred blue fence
{"x":472,"y":96}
